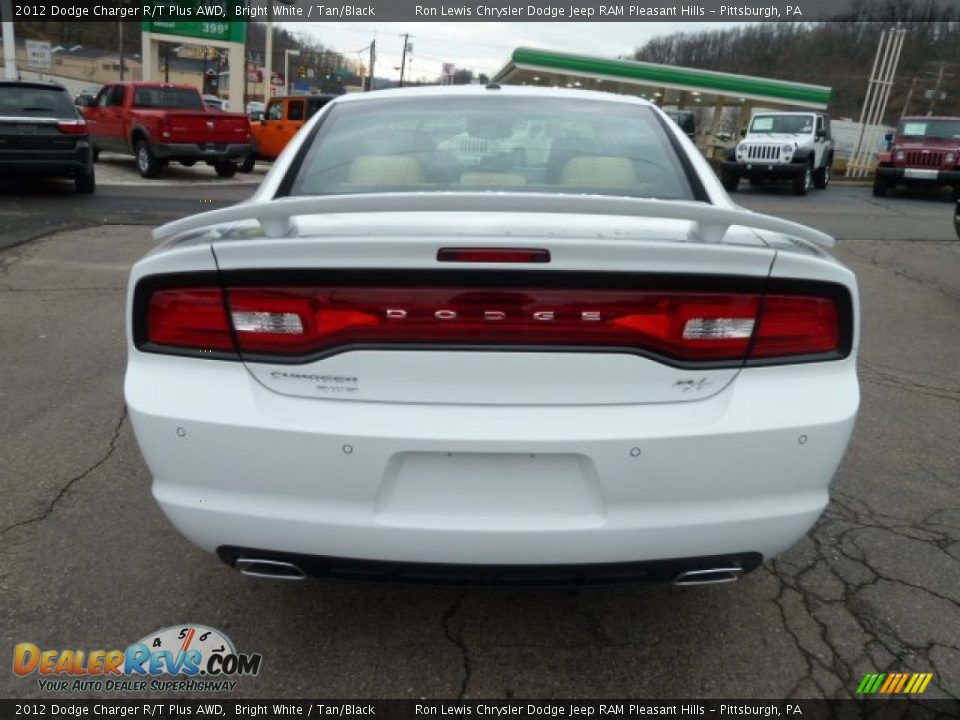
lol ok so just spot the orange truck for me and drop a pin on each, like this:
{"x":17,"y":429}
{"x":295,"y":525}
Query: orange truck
{"x":283,"y":117}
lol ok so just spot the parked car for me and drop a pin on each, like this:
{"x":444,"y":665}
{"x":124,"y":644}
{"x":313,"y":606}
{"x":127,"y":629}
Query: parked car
{"x":163,"y":122}
{"x":43,"y":134}
{"x":686,"y":120}
{"x":425,"y":365}
{"x":85,"y":96}
{"x":783,"y":146}
{"x":216,"y":103}
{"x":924,"y":152}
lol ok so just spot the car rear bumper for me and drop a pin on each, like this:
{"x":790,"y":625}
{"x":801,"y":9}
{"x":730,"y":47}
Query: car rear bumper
{"x":762,"y":169}
{"x":919,"y":176}
{"x":295,"y":566}
{"x":237,"y":465}
{"x":46,"y":162}
{"x":203,"y":151}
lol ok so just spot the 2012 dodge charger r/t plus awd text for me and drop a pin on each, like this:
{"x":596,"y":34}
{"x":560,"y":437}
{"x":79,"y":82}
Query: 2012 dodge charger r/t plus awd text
{"x":492,"y":335}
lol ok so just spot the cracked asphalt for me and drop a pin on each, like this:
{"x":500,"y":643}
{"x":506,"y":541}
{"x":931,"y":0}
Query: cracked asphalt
{"x":88,"y":561}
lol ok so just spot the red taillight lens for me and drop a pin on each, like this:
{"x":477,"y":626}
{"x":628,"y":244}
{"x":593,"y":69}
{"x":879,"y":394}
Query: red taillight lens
{"x":494,"y":255}
{"x":189,"y":318}
{"x":791,"y":325}
{"x":689,"y":326}
{"x":297,"y":322}
{"x":72,"y":127}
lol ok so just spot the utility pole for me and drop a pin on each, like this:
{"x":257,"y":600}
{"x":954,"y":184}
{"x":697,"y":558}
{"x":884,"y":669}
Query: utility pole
{"x":268,"y":59}
{"x":906,"y":103}
{"x":120,"y":28}
{"x":9,"y":49}
{"x":403,"y":61}
{"x":373,"y":60}
{"x":935,"y":95}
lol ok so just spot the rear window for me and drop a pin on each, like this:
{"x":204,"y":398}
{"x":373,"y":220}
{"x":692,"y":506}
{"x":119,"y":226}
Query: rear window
{"x":168,"y":98}
{"x":492,"y":143}
{"x":27,"y":101}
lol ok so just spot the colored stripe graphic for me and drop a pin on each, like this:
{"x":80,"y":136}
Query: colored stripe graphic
{"x":894,"y":683}
{"x":866,"y":684}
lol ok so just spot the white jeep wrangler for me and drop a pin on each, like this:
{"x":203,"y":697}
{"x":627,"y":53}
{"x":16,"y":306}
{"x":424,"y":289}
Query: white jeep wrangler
{"x":794,"y":146}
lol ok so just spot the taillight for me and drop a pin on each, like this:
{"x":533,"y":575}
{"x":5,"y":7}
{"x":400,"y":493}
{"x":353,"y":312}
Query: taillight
{"x":791,"y":325}
{"x":192,"y":318}
{"x":303,"y":322}
{"x":72,"y":127}
{"x":493,"y":255}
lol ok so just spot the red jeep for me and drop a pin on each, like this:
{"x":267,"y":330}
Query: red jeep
{"x":925,"y":152}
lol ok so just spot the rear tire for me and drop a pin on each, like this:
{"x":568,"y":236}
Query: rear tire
{"x":147,"y":164}
{"x":756,"y":182}
{"x":880,"y":186}
{"x":249,"y":162}
{"x":804,"y":181}
{"x":188,"y":163}
{"x":95,"y":153}
{"x":87,"y":183}
{"x":730,"y":181}
{"x":821,"y":178}
{"x":225,"y":169}
{"x":955,"y":193}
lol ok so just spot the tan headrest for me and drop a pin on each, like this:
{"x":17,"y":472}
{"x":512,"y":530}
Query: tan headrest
{"x":598,"y":171}
{"x":385,"y":170}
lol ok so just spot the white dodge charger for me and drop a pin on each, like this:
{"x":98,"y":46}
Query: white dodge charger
{"x":492,"y":335}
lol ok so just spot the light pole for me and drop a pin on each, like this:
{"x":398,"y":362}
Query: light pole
{"x":9,"y":50}
{"x":268,"y":60}
{"x":286,"y":67}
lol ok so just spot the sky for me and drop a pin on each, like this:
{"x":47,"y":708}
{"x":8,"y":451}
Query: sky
{"x":481,"y":47}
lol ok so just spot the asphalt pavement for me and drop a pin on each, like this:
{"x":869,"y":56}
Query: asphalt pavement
{"x":88,"y":560}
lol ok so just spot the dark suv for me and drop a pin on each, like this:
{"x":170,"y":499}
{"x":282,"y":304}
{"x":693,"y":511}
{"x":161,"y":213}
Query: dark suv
{"x":42,"y":134}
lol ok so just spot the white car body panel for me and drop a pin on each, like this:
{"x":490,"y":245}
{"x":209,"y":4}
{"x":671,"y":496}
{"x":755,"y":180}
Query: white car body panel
{"x":492,"y":457}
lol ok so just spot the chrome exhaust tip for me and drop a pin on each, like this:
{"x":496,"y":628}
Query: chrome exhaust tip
{"x":712,"y":576}
{"x":269,"y":569}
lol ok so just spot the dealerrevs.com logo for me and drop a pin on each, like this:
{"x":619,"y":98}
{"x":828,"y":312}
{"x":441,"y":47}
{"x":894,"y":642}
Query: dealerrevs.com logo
{"x":177,"y":658}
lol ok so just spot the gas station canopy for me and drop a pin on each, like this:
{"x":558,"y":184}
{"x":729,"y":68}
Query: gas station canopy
{"x":667,"y":85}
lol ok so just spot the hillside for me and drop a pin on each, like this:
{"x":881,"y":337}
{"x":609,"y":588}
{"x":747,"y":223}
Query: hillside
{"x":840,"y":55}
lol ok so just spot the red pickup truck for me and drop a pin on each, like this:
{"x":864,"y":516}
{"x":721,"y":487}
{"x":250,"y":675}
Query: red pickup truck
{"x":160,"y":122}
{"x":924,"y":152}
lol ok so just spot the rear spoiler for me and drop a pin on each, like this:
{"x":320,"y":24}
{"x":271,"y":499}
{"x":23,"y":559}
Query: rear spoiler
{"x":710,"y":223}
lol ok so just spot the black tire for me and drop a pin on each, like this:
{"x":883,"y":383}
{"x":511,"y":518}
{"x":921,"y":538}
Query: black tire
{"x":95,"y":152}
{"x":955,"y":193}
{"x":756,"y":182}
{"x":87,"y":183}
{"x":147,"y":164}
{"x":249,"y":162}
{"x":880,"y":186}
{"x":804,"y":181}
{"x":225,"y":169}
{"x":821,"y":178}
{"x":730,"y":181}
{"x":188,"y":163}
